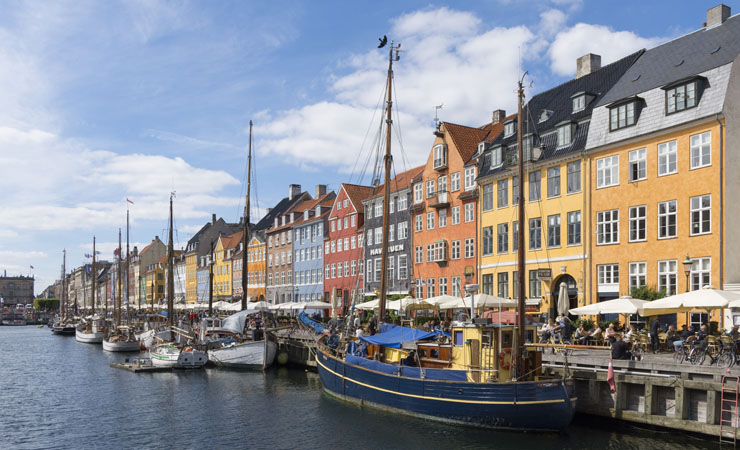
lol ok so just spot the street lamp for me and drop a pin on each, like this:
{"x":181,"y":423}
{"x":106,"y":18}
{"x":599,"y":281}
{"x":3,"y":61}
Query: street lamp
{"x":687,"y":270}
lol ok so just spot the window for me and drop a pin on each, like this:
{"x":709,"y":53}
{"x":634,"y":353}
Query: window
{"x":353,"y":222}
{"x":443,"y":286}
{"x":638,"y":164}
{"x":403,"y":271}
{"x":503,"y":284}
{"x":698,"y":319}
{"x":622,"y":116}
{"x":440,"y":156}
{"x":403,"y":201}
{"x":369,"y":270}
{"x":515,"y":235}
{"x":502,"y":237}
{"x":455,"y":215}
{"x":701,"y":214}
{"x":515,"y":284}
{"x":607,"y":171}
{"x":681,"y":97}
{"x":455,"y":286}
{"x":638,"y":275}
{"x":469,"y":212}
{"x":346,"y":219}
{"x":469,"y":248}
{"x":607,"y":227}
{"x":442,"y":218}
{"x":534,"y":285}
{"x":430,"y":253}
{"x":488,"y":197}
{"x":390,"y":270}
{"x":469,"y":178}
{"x":564,"y":135}
{"x":487,"y":285}
{"x":515,"y":191}
{"x":667,"y":154}
{"x":418,"y":222}
{"x":553,"y":181}
{"x":379,"y":208}
{"x":701,"y":150}
{"x":574,"y":228}
{"x":378,"y":268}
{"x":638,"y":223}
{"x":579,"y":103}
{"x":503,"y":193}
{"x":509,"y":128}
{"x":430,"y":287}
{"x":403,"y":230}
{"x":352,"y":242}
{"x":574,"y":177}
{"x":535,"y":234}
{"x":339,"y":244}
{"x":430,"y":188}
{"x":391,"y":232}
{"x":418,"y":193}
{"x":534,"y":185}
{"x":701,"y":273}
{"x":608,"y":274}
{"x":333,"y":226}
{"x":430,"y":220}
{"x":455,"y":182}
{"x":667,"y":276}
{"x":418,"y":254}
{"x":553,"y":230}
{"x":378,"y":236}
{"x":667,"y":219}
{"x":487,"y":241}
{"x":496,"y":156}
{"x":455,"y":250}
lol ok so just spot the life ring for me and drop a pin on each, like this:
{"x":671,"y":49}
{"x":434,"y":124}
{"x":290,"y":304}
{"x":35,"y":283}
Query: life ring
{"x":502,"y":359}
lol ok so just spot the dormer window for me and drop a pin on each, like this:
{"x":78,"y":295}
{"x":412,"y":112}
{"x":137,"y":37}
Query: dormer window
{"x":440,"y":156}
{"x":579,"y":103}
{"x":679,"y":97}
{"x":527,"y":147}
{"x":481,"y":147}
{"x":497,"y":156}
{"x":622,"y":115}
{"x":545,"y":115}
{"x":565,"y":134}
{"x":508,"y":128}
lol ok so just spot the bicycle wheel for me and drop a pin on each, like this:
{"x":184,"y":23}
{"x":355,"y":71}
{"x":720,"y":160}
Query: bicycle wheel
{"x":692,"y":356}
{"x":677,"y":356}
{"x":726,"y":360}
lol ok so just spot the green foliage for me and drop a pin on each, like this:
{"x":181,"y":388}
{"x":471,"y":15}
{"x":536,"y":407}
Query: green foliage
{"x":588,"y":324}
{"x":648,"y":293}
{"x":45,"y":304}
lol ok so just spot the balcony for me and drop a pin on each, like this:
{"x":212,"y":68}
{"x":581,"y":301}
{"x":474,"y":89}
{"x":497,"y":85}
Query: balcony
{"x":416,"y":207}
{"x":469,"y":194}
{"x":441,"y":201}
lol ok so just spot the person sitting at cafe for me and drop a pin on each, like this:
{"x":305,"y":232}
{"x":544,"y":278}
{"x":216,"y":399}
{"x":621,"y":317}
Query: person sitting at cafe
{"x":628,"y":333}
{"x":581,"y":334}
{"x":702,"y":334}
{"x":410,"y":360}
{"x":671,"y":335}
{"x":596,"y":334}
{"x":557,"y":329}
{"x":734,"y":333}
{"x":546,"y":330}
{"x":567,"y":327}
{"x":686,"y":333}
{"x":619,"y":348}
{"x":611,"y":333}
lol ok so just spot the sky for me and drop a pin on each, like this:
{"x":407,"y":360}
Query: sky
{"x":104,"y":101}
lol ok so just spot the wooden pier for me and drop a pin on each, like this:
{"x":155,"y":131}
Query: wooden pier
{"x":655,"y":391}
{"x":298,"y":344}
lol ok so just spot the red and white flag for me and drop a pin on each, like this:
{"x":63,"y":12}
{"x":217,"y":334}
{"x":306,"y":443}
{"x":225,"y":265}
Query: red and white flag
{"x":129,"y":201}
{"x":31,"y":267}
{"x":610,"y":378}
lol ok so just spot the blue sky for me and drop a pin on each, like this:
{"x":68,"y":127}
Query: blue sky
{"x":100,"y":101}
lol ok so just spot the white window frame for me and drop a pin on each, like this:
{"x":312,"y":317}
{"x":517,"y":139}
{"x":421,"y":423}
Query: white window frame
{"x":638,"y":160}
{"x":455,"y":182}
{"x":430,"y":220}
{"x":701,"y":150}
{"x":418,"y":192}
{"x":607,"y":226}
{"x":469,"y":212}
{"x":455,"y":250}
{"x":664,"y":216}
{"x":701,"y":273}
{"x":667,"y":158}
{"x":470,"y":247}
{"x":698,"y":210}
{"x":666,"y":268}
{"x":638,"y":222}
{"x":418,"y":223}
{"x":637,"y":275}
{"x":470,"y":178}
{"x":607,"y":171}
{"x":455,"y":220}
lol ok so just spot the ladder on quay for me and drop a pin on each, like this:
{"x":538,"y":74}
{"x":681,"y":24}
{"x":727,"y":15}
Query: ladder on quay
{"x":728,"y":419}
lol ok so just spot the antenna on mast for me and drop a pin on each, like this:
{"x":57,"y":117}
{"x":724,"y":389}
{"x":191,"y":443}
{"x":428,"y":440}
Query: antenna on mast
{"x":436,"y":116}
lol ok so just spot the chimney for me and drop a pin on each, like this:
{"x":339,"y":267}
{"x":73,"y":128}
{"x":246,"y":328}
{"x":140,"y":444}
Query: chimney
{"x":156,"y":238}
{"x":213,"y":219}
{"x":587,"y":63}
{"x":498,"y":116}
{"x":320,"y":190}
{"x":294,"y":190}
{"x":717,"y":15}
{"x":268,"y":211}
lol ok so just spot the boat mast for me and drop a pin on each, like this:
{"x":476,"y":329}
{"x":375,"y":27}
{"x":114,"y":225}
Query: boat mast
{"x":94,"y":276}
{"x":128,"y":299}
{"x":210,"y":284}
{"x":388,"y":160}
{"x":245,"y":237}
{"x":518,"y":357}
{"x":170,"y":279}
{"x":118,"y":291}
{"x":62,"y":304}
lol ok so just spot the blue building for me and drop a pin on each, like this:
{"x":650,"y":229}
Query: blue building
{"x":308,"y":245}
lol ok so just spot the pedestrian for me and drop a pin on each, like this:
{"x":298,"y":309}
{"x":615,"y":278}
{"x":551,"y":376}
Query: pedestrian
{"x":654,"y":330}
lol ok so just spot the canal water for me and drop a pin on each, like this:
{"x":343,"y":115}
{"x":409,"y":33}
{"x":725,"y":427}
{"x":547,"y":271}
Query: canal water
{"x":57,"y":393}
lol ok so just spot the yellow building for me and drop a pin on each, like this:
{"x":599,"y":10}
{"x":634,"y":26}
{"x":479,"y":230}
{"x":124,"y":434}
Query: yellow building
{"x":155,"y":282}
{"x":554,"y":131}
{"x":222,"y":266}
{"x":660,"y":172}
{"x":256,"y":276}
{"x":191,"y":278}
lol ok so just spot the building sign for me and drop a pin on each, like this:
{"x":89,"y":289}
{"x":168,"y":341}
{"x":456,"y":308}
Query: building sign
{"x":392,"y":248}
{"x":544,"y":274}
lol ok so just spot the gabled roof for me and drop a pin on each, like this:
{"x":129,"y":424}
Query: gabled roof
{"x":466,"y":139}
{"x":400,"y":181}
{"x":232,"y":240}
{"x":558,"y":102}
{"x":357,"y":194}
{"x":660,"y":66}
{"x":283,"y":206}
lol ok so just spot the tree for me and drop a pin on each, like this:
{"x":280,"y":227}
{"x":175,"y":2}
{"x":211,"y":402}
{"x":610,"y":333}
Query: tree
{"x":648,"y":293}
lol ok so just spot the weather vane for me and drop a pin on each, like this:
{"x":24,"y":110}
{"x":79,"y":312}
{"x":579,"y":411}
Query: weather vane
{"x":436,"y":117}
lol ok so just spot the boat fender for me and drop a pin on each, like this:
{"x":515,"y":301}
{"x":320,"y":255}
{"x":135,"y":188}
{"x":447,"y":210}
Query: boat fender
{"x":502,"y":359}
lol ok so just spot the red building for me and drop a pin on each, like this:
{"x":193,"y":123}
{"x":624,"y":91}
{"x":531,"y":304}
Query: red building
{"x":343,"y":255}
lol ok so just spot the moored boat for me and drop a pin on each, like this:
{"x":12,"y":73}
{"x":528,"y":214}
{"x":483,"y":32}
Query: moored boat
{"x":121,"y":339}
{"x":231,"y":345}
{"x":90,"y":331}
{"x":14,"y":322}
{"x":169,"y":355}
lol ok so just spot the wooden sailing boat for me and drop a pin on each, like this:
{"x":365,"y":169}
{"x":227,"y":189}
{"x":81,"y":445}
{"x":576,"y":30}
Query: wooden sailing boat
{"x":91,"y":330}
{"x":63,"y":325}
{"x":465,"y":378}
{"x":231,"y":345}
{"x":171,"y":353}
{"x":120,"y":338}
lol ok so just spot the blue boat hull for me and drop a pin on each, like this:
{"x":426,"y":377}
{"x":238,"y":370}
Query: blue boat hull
{"x":543,"y":405}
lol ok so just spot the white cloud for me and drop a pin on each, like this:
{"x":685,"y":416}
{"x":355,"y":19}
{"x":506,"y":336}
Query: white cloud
{"x":551,"y":21}
{"x":584,"y":38}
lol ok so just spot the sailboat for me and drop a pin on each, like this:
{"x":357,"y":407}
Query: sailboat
{"x":232,"y":346}
{"x":92,"y":329}
{"x":171,"y":353}
{"x":480,"y":375}
{"x":120,"y":338}
{"x":63,"y":326}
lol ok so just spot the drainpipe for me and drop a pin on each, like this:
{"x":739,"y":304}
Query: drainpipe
{"x":587,"y":235}
{"x":721,"y":211}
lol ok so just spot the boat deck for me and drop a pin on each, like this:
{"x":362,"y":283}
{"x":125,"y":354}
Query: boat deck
{"x":144,"y":365}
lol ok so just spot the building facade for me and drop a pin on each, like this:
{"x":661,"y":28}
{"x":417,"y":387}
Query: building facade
{"x":308,"y":248}
{"x":16,"y":290}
